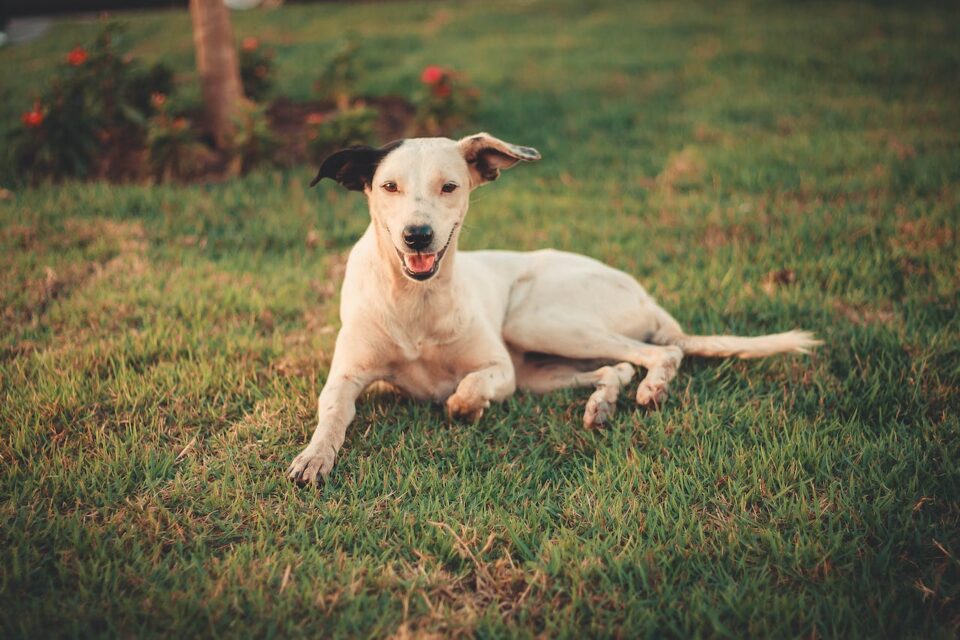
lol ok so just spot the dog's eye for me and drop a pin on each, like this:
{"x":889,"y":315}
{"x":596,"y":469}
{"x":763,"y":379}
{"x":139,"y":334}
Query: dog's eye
{"x":390,"y":186}
{"x":449,"y":187}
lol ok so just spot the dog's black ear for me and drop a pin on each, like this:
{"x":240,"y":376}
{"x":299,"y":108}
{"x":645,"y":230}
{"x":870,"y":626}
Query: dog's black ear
{"x":354,"y":167}
{"x":486,"y":156}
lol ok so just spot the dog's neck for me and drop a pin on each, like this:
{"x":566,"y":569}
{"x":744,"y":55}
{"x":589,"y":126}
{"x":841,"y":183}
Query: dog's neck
{"x":414,"y":312}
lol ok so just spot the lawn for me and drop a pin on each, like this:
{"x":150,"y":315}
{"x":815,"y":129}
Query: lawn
{"x":759,"y":167}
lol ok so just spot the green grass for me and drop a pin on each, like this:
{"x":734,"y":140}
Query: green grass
{"x":161,"y":348}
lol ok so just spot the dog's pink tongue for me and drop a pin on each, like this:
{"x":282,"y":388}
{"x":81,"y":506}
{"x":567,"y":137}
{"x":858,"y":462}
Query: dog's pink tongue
{"x":421,"y":262}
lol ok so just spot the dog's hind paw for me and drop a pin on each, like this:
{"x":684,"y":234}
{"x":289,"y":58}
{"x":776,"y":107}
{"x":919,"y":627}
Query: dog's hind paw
{"x":651,"y":394}
{"x":312,"y":465}
{"x":603,"y":402}
{"x":598,"y":411}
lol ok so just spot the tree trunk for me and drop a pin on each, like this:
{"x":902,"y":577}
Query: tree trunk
{"x":218,"y":66}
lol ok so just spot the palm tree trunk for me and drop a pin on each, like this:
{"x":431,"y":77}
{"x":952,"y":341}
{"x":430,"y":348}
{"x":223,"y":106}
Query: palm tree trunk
{"x":218,"y":67}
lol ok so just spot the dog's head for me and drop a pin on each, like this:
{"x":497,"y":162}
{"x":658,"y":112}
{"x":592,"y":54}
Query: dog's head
{"x":419,"y":189}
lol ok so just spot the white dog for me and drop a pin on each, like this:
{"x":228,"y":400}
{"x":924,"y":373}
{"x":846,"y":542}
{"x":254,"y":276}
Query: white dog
{"x":469,"y":328}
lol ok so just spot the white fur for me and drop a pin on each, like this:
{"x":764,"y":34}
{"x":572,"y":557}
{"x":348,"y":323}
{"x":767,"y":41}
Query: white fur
{"x":489,"y":322}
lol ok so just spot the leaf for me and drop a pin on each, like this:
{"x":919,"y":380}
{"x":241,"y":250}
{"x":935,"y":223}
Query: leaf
{"x":132,"y":114}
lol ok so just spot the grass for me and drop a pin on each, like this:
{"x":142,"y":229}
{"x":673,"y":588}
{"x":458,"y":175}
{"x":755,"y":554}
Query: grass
{"x":161,"y":348}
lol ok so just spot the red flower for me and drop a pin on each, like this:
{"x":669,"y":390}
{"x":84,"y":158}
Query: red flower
{"x":158,"y":99}
{"x":33,"y":118}
{"x":315,"y":118}
{"x":250,"y":43}
{"x":441,"y":90}
{"x":77,"y":57}
{"x":432,"y":74}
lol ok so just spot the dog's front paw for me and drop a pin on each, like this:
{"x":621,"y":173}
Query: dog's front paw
{"x":459,"y":408}
{"x":313,"y":464}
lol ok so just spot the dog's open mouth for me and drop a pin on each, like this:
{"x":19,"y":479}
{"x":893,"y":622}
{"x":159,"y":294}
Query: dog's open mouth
{"x":421,"y":266}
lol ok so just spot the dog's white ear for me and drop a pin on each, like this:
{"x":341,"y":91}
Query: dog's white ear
{"x":354,"y":167}
{"x":486,"y":156}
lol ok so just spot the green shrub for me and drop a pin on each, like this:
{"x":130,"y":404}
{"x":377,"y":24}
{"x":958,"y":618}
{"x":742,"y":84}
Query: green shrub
{"x":116,"y":88}
{"x":445,"y":102}
{"x":351,"y":126}
{"x":256,"y":69}
{"x":173,"y":148}
{"x":100,"y":101}
{"x":56,"y":138}
{"x":339,"y":76}
{"x":254,"y":141}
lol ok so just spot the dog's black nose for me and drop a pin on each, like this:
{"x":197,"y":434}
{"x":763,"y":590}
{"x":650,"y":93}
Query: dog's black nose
{"x":418,"y":236}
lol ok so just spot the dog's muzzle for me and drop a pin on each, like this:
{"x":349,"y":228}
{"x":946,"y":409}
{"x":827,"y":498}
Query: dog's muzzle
{"x":422,"y":265}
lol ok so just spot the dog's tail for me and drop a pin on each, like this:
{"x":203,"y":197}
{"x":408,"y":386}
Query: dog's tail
{"x":739,"y":347}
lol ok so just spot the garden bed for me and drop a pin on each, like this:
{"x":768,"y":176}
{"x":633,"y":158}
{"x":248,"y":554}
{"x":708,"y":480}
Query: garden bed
{"x":108,"y":117}
{"x":395,"y":118}
{"x":292,"y":126}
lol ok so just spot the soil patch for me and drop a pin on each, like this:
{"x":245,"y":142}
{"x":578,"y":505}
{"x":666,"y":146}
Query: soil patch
{"x":288,"y":121}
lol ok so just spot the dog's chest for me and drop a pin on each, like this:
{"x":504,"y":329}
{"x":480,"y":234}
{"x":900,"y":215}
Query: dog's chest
{"x":428,"y":342}
{"x":426,"y":370}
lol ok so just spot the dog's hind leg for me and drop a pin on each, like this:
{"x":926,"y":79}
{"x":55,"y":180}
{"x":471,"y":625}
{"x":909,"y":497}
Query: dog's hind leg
{"x":607,"y":381}
{"x":586,"y":341}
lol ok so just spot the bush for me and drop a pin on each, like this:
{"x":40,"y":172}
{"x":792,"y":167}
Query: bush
{"x":173,"y":148}
{"x":256,"y":69}
{"x":115,"y":87}
{"x":351,"y":126}
{"x":56,"y":138}
{"x":253,"y":140}
{"x":98,"y":103}
{"x":340,"y":74}
{"x":445,"y":103}
{"x":142,"y":85}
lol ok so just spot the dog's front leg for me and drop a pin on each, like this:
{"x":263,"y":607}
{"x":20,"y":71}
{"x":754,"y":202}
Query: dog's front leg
{"x":478,"y":388}
{"x":336,"y":408}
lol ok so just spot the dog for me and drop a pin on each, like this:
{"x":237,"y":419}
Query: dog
{"x":469,"y":328}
